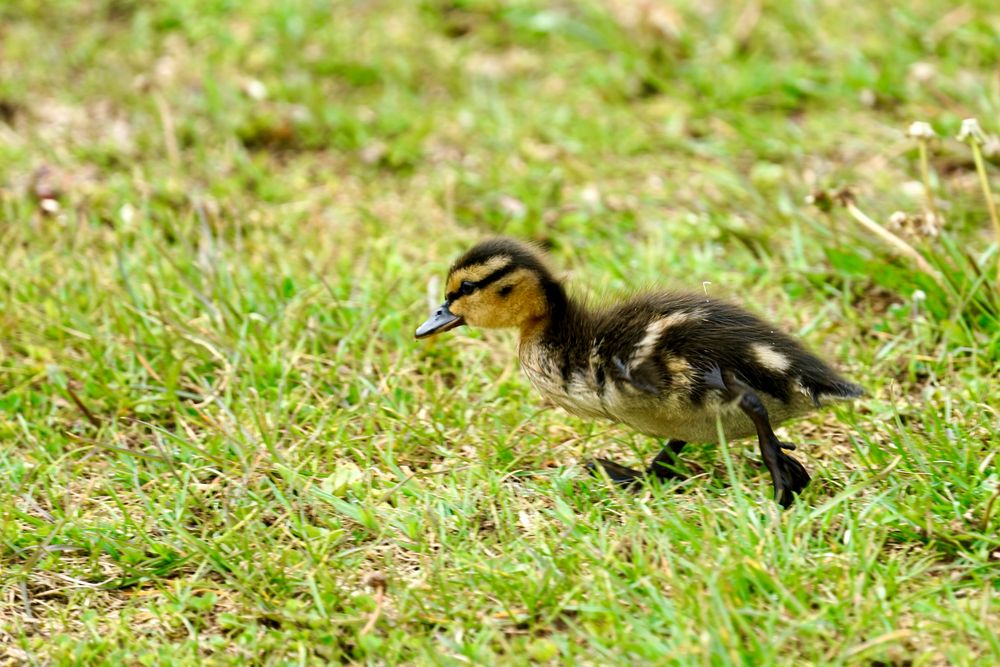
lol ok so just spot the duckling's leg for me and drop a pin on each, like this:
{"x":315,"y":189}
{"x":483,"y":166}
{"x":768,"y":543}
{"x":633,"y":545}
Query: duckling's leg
{"x":662,"y":467}
{"x":787,"y":474}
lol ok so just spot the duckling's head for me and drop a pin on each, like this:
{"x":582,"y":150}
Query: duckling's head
{"x":499,"y":283}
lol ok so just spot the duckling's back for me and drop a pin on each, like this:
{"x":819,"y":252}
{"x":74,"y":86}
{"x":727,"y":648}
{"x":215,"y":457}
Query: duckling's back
{"x":654,"y":362}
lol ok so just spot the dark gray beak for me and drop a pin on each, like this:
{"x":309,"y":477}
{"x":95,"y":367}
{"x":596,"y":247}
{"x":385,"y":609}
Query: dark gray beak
{"x":441,"y":320}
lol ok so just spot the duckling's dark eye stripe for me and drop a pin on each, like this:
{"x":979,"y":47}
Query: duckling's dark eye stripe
{"x":479,"y":284}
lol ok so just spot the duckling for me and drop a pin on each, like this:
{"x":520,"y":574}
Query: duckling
{"x":668,"y":364}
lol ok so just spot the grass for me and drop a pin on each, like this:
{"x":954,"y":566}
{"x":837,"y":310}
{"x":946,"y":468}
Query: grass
{"x":222,"y":221}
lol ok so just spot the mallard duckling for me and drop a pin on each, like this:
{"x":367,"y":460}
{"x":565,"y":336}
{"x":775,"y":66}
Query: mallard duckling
{"x":669,"y":365}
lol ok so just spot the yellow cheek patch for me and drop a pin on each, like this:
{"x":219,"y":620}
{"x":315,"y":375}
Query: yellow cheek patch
{"x":457,"y":307}
{"x":476,"y":272}
{"x":526,"y":300}
{"x":485,"y":307}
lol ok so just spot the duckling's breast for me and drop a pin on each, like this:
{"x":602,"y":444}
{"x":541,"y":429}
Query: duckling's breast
{"x":575,"y":387}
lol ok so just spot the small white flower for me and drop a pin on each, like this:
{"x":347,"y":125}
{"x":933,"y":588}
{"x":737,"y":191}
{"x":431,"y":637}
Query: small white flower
{"x":513,"y":207}
{"x":921,"y":130}
{"x":127,"y":213}
{"x":931,"y":226}
{"x":912,"y":189}
{"x":919,"y":296}
{"x":591,"y":196}
{"x":971,"y":129}
{"x":922,"y":72}
{"x":255,"y":89}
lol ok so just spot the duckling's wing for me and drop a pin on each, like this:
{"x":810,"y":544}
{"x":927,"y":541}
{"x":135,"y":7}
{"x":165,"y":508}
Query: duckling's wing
{"x":646,"y":376}
{"x":765,"y":358}
{"x":668,"y":342}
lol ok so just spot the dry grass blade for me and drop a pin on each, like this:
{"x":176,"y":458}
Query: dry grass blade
{"x":378,"y":583}
{"x":897,"y":243}
{"x":91,"y":417}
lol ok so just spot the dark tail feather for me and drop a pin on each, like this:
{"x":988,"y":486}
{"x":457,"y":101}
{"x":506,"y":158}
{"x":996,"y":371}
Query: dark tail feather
{"x":837,"y":390}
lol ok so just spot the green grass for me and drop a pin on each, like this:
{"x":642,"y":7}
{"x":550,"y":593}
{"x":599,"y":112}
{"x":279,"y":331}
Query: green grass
{"x":219,"y":440}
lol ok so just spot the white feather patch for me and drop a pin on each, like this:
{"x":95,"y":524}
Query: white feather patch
{"x":770,"y":358}
{"x":654,"y":331}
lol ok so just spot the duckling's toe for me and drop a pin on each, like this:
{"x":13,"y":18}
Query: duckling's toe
{"x":790,"y":481}
{"x":619,"y":474}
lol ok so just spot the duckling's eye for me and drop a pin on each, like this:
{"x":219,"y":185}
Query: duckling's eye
{"x":506,"y":290}
{"x":466,"y":288}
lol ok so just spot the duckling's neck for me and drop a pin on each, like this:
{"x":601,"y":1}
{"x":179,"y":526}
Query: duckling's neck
{"x":562,"y":317}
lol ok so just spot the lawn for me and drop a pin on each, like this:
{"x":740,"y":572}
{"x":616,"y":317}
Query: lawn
{"x":222,"y":221}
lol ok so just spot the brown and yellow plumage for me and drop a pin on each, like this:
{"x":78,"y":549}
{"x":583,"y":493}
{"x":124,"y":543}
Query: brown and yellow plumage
{"x":667,"y":364}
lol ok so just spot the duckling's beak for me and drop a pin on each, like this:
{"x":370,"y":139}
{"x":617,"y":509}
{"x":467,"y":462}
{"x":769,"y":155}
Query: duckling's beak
{"x":441,"y":320}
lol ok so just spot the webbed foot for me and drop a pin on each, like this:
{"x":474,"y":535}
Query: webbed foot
{"x":620,"y":475}
{"x":789,"y":477}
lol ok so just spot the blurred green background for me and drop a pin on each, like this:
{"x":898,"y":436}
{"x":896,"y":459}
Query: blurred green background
{"x":221,"y":222}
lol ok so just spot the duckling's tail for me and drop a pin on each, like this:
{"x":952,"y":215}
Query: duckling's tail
{"x":834,"y":390}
